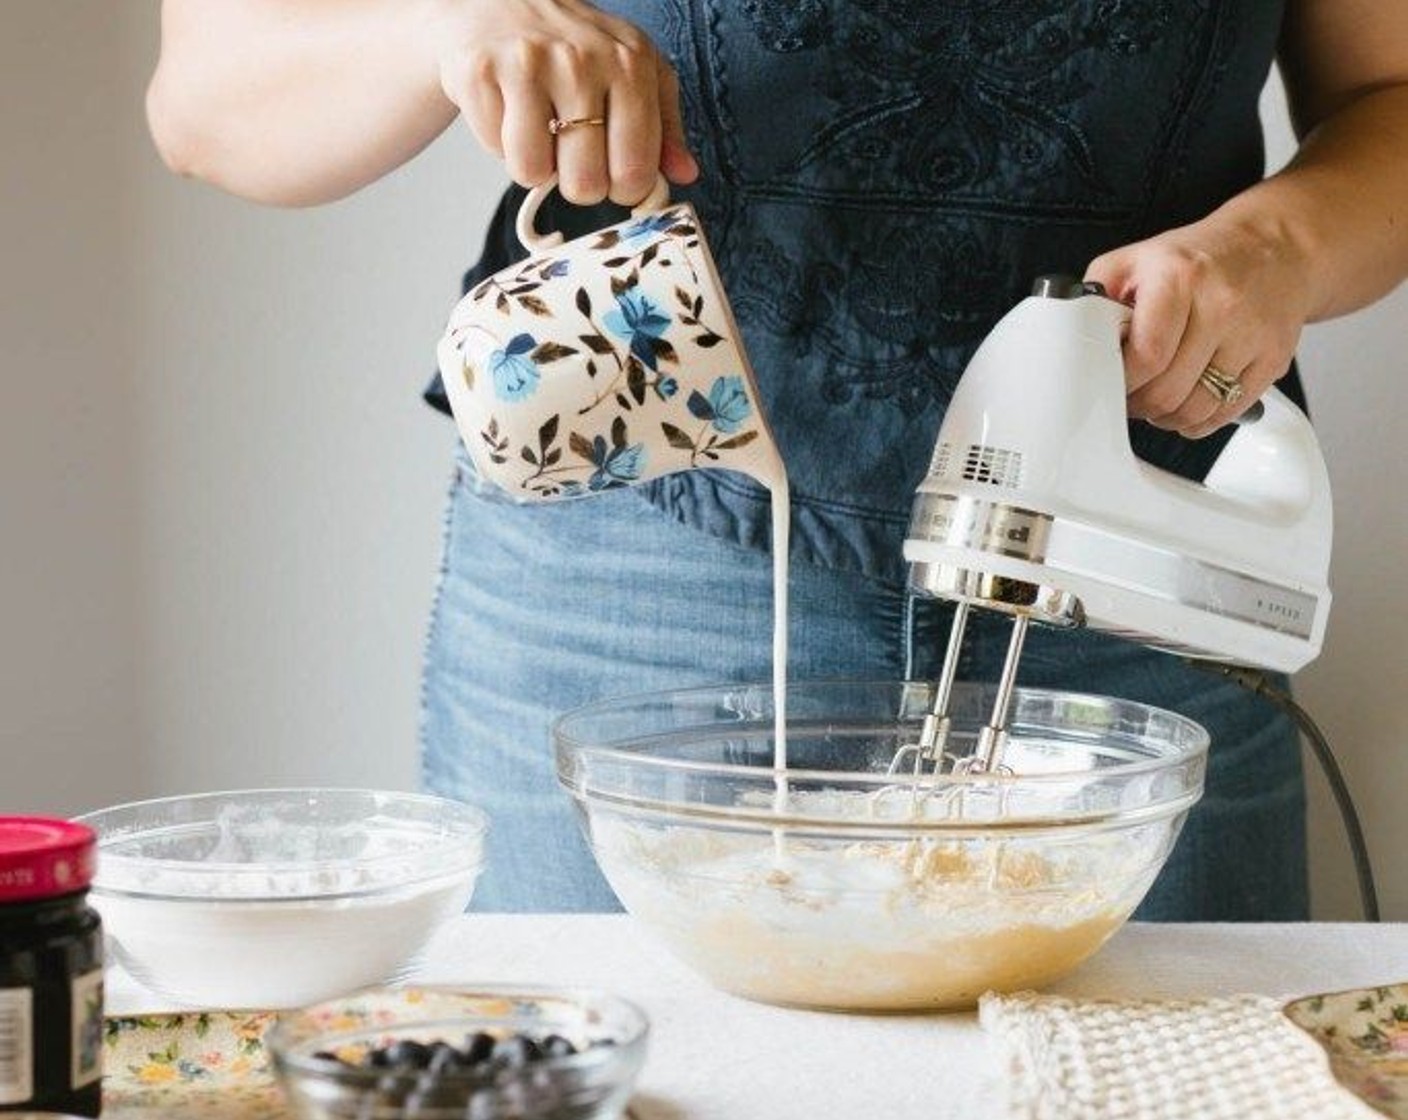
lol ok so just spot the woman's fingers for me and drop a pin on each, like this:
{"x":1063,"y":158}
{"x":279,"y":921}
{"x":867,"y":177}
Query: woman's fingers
{"x":1216,"y":296}
{"x":527,"y":143}
{"x":483,"y":111}
{"x":1158,"y":328}
{"x":1254,"y":379}
{"x":608,"y":87}
{"x":514,"y":66}
{"x":582,"y":174}
{"x":676,"y":160}
{"x":637,"y":108}
{"x":1162,"y":396}
{"x":1206,"y":410}
{"x":633,"y":126}
{"x":1171,"y":392}
{"x":577,"y":85}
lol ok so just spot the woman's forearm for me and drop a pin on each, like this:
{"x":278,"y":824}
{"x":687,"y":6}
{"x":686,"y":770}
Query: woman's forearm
{"x":294,"y":102}
{"x":1342,"y":203}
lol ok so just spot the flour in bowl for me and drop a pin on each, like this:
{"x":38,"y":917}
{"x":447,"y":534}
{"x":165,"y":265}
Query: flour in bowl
{"x":270,"y":907}
{"x":873,"y":924}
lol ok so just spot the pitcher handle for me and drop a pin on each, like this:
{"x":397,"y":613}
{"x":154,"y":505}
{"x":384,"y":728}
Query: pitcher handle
{"x":536,"y":242}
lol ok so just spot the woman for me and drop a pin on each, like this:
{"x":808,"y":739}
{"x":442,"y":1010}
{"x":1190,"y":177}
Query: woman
{"x":880,"y":180}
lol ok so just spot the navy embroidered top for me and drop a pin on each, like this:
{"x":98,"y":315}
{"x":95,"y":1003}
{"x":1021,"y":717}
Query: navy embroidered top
{"x":882,"y":180}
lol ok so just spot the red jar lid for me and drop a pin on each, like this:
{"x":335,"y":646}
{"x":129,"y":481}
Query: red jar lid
{"x":42,"y":857}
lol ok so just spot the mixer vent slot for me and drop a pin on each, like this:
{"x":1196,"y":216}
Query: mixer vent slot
{"x":943,"y":456}
{"x":1000,"y":466}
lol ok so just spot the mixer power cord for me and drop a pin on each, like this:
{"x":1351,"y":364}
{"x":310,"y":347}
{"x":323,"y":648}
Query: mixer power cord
{"x":1255,"y":682}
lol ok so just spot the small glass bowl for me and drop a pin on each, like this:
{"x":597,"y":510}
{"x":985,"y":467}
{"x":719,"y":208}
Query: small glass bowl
{"x":594,"y":1084}
{"x":279,"y":898}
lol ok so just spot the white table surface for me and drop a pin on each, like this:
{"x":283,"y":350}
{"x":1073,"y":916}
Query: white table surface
{"x":716,"y":1057}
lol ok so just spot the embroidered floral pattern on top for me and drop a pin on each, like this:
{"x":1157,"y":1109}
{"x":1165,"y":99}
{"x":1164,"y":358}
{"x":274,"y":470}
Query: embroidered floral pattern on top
{"x":970,"y":99}
{"x":968,"y":140}
{"x":897,"y":328}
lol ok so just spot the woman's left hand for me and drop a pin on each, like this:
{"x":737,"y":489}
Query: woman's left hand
{"x":1221,"y":293}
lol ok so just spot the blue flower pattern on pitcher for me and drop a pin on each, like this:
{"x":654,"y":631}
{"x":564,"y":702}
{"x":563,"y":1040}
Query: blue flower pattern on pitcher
{"x":646,"y":227}
{"x":639,"y":321}
{"x":616,"y":466}
{"x":514,"y":372}
{"x":726,"y":407}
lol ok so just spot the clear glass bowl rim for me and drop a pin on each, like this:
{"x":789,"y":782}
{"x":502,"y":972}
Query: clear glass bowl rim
{"x":1192,"y":745}
{"x":439,"y":857}
{"x":563,"y":740}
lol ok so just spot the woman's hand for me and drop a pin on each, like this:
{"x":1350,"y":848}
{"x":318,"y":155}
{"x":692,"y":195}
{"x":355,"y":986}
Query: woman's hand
{"x":513,"y":65}
{"x":1230,"y":292}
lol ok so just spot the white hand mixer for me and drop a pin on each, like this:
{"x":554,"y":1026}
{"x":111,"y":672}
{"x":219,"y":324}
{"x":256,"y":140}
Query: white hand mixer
{"x":1034,"y":505}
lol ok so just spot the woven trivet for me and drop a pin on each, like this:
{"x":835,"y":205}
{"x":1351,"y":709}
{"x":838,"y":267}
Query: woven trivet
{"x":1232,"y":1058}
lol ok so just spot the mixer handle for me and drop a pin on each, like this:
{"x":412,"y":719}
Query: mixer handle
{"x":535,"y":242}
{"x":1273,"y":459}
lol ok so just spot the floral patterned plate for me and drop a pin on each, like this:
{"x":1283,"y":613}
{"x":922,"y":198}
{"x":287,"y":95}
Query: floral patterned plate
{"x":1365,"y":1033}
{"x":210,"y":1064}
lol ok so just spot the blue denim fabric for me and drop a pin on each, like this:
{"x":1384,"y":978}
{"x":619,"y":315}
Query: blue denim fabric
{"x":542,"y":608}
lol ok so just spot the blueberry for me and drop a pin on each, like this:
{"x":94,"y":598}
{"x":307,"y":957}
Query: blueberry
{"x":375,"y":1059}
{"x":555,"y":1046}
{"x":477,"y":1048}
{"x":408,"y":1054}
{"x":514,"y":1052}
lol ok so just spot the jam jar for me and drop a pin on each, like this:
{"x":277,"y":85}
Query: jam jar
{"x":51,"y":969}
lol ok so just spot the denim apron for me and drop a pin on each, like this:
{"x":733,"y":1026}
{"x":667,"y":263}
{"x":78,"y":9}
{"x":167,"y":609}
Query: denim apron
{"x":881,"y":181}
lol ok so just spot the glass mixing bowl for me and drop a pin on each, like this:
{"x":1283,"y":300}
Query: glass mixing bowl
{"x":836,"y":885}
{"x":277,"y":898}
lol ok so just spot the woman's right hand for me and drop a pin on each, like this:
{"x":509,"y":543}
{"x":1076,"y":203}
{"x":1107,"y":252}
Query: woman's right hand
{"x":513,"y":65}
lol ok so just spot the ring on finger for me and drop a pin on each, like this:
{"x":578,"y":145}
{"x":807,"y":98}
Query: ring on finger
{"x":1226,"y":388}
{"x":557,"y":125}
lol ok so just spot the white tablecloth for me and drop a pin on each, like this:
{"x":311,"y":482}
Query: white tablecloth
{"x":715,"y":1057}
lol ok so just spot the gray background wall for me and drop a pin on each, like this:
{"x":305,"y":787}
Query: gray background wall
{"x":220,"y":497}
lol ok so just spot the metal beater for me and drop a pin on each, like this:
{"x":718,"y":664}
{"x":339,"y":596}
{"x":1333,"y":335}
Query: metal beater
{"x":931,"y":749}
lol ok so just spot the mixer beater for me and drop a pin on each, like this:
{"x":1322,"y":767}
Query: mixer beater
{"x":932,"y":748}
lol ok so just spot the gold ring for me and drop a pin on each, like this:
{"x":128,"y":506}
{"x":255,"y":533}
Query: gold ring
{"x":557,"y":125}
{"x":1225,"y":388}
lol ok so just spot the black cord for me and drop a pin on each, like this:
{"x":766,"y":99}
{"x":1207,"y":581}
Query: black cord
{"x":1255,"y":682}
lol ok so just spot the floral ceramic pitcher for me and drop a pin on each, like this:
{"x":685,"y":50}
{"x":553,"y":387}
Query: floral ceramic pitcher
{"x":604,"y":361}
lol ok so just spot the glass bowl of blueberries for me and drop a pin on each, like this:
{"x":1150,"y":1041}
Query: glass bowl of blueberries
{"x":490,"y":1053}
